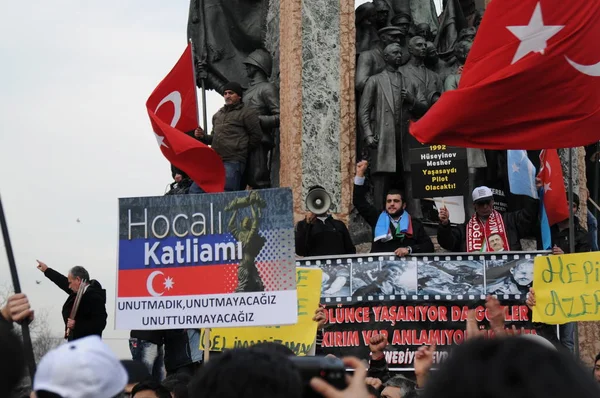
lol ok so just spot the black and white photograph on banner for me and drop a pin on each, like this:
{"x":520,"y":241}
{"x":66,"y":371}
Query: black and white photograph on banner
{"x":507,"y":275}
{"x":450,"y":277}
{"x":394,"y":277}
{"x":336,"y":280}
{"x":365,"y":275}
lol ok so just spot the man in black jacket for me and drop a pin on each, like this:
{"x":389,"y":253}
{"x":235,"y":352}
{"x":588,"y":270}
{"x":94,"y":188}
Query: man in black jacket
{"x":90,"y":318}
{"x":322,"y":235}
{"x":389,"y":227}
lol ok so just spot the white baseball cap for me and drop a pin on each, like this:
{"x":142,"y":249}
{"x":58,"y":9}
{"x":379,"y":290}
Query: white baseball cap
{"x":482,"y":193}
{"x":84,"y":368}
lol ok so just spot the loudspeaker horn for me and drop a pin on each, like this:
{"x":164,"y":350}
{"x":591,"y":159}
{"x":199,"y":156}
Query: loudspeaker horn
{"x":318,"y":201}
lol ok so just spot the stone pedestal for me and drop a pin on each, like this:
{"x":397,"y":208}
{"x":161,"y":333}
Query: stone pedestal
{"x":317,"y":100}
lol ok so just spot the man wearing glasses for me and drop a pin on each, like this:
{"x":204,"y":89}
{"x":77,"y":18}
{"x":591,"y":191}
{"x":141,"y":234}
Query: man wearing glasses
{"x":488,"y":230}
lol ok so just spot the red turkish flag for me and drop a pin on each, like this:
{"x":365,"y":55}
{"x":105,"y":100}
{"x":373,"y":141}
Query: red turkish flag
{"x":173,"y":110}
{"x":525,"y":84}
{"x":554,"y":196}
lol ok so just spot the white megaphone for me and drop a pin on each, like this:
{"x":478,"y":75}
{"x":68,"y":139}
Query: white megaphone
{"x":318,"y":201}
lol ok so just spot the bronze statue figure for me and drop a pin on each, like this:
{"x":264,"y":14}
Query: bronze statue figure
{"x":434,"y":63}
{"x":366,"y":33}
{"x":372,"y":62}
{"x":415,"y":71}
{"x":424,"y":30}
{"x":384,"y":13}
{"x":252,"y":243}
{"x":263,"y":97}
{"x":403,"y":22}
{"x":224,"y":33}
{"x":387,"y":103}
{"x":461,"y":51}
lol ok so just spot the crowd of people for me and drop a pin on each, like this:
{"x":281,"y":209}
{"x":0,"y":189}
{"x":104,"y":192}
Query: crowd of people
{"x":507,"y":364}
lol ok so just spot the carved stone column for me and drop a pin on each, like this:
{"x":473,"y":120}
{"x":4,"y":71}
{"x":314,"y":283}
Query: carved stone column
{"x":317,"y":100}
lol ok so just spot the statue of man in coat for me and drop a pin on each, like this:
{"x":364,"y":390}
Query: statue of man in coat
{"x":387,"y":103}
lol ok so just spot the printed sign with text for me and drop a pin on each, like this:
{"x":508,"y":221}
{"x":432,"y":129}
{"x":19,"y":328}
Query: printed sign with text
{"x":567,"y":288}
{"x":210,"y":260}
{"x":438,"y":171}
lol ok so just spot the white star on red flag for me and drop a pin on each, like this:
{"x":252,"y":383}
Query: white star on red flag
{"x":534,"y":36}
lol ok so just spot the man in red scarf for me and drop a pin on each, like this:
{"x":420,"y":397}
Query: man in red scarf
{"x":488,"y":230}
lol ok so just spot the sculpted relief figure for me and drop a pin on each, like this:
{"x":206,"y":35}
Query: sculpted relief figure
{"x":387,"y":103}
{"x":461,"y":51}
{"x":416,"y":73}
{"x":372,"y":62}
{"x":366,"y":33}
{"x":434,"y":63}
{"x":224,"y":33}
{"x":263,"y":97}
{"x":403,"y":22}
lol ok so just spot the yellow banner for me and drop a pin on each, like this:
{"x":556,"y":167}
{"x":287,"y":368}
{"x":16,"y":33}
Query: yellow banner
{"x":299,"y":337}
{"x":567,"y":288}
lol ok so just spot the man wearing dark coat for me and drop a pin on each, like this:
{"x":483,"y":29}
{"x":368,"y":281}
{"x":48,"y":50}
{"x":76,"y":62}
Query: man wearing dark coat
{"x":90,"y":318}
{"x":415,"y":71}
{"x":387,"y":103}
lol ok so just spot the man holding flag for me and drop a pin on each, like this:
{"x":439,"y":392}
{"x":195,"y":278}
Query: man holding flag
{"x":173,"y":110}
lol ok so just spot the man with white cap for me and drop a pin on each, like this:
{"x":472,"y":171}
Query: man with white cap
{"x":84,"y":368}
{"x":488,"y":230}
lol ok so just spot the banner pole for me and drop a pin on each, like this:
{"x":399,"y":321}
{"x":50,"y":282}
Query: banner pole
{"x":196,"y":92}
{"x":572,"y":241}
{"x":29,"y":357}
{"x":206,"y":345}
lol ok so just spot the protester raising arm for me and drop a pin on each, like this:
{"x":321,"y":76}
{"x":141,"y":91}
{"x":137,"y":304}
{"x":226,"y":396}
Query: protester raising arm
{"x":378,"y":366}
{"x":59,"y":279}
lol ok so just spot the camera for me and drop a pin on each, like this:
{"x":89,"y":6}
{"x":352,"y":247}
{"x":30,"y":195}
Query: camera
{"x":330,"y":369}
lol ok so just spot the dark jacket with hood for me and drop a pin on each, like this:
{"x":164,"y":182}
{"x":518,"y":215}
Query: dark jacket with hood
{"x":519,"y":224}
{"x":91,"y":314}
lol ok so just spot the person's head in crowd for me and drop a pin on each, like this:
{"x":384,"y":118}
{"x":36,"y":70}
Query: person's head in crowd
{"x":177,"y":384}
{"x":509,"y":367}
{"x":280,"y":348}
{"x":597,"y":368}
{"x":136,"y":373}
{"x":150,"y":389}
{"x":522,"y":272}
{"x":398,"y":387}
{"x":80,"y":369}
{"x":248,"y":372}
{"x":12,"y":363}
{"x":496,"y":242}
{"x":394,"y":203}
{"x":483,"y":201}
{"x":232,"y":93}
{"x":77,"y":275}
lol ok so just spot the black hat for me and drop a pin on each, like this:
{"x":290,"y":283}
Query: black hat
{"x":235,"y":87}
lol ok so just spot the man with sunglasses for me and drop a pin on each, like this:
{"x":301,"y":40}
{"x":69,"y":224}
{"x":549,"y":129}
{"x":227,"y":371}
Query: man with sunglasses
{"x":488,"y":230}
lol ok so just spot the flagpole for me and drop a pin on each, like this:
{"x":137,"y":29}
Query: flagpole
{"x":17,"y":288}
{"x":572,"y":240}
{"x":203,"y":86}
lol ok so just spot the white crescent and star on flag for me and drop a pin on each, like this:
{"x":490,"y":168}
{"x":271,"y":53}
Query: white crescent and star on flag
{"x":175,"y":98}
{"x":168,"y":283}
{"x":534,"y":39}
